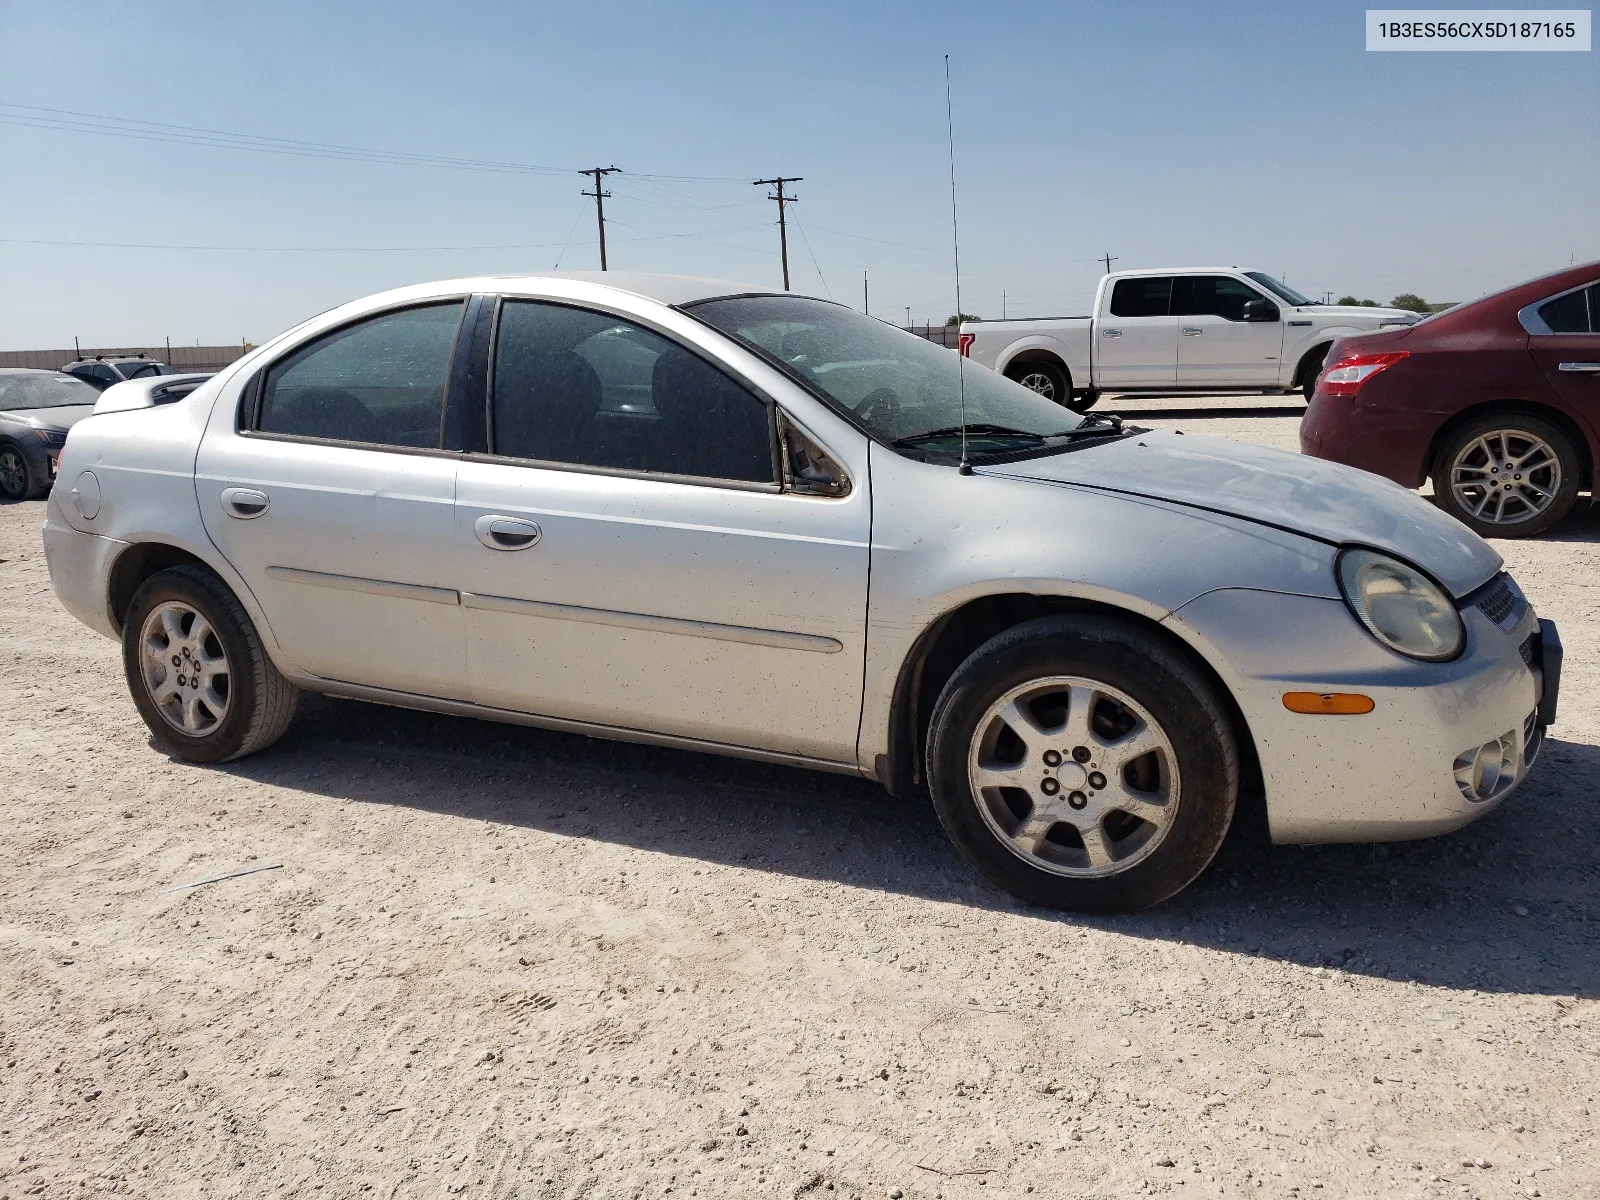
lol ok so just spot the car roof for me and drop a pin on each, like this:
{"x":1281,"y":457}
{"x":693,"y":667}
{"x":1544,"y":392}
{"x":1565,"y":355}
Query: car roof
{"x":27,"y":371}
{"x":665,"y":289}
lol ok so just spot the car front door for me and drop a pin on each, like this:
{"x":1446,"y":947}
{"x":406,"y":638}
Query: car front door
{"x":630,"y":556}
{"x":1569,"y":354}
{"x":1136,"y":339}
{"x":1217,"y":347}
{"x":327,"y":489}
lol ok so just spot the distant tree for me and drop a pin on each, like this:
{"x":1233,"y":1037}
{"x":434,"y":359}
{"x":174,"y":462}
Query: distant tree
{"x":957,"y":318}
{"x":1411,"y":302}
{"x":1360,"y":303}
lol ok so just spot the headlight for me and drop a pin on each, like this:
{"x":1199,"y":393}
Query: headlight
{"x":1400,"y":606}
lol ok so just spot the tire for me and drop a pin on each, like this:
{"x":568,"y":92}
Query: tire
{"x":17,"y":480}
{"x":231,"y":701}
{"x":1310,"y":368}
{"x":1538,"y":456}
{"x":1135,"y":692}
{"x":1052,"y":382}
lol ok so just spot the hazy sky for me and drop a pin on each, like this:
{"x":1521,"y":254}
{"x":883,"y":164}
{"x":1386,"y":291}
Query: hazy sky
{"x":1262,"y":135}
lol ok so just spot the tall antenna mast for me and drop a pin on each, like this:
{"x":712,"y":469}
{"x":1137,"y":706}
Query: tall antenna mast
{"x":965,"y":468}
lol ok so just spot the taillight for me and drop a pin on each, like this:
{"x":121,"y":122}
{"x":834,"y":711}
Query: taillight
{"x":964,"y":344}
{"x":1345,"y":376}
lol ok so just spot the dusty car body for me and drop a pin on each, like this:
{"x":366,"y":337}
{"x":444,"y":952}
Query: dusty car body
{"x":709,"y":516}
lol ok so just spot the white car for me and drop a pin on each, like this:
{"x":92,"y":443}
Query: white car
{"x":1195,"y":329}
{"x":714,"y":517}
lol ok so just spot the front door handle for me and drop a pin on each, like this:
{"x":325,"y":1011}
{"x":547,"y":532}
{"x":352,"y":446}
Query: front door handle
{"x":506,"y":533}
{"x":244,"y":503}
{"x":1192,"y":331}
{"x":1581,"y":368}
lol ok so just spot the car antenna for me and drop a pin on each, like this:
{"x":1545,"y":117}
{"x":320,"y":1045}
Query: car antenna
{"x":955,"y":241}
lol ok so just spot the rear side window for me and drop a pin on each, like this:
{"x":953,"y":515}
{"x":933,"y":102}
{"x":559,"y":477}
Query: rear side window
{"x":1150,"y":297}
{"x":589,"y":389}
{"x":1576,"y":312}
{"x":380,"y":382}
{"x":1211,"y":296}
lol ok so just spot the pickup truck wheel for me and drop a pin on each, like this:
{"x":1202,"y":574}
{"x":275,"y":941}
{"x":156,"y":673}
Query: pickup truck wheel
{"x":1310,"y":368}
{"x":1507,"y":474}
{"x":1082,"y":764}
{"x":199,"y":675}
{"x":1049,"y":380}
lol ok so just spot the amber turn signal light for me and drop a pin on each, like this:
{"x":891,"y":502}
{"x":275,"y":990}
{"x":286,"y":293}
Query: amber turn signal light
{"x":1337,"y":704}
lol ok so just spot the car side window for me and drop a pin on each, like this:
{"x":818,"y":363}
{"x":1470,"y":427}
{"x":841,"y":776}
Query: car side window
{"x":381,"y":381}
{"x":1148,"y":297}
{"x":588,"y":389}
{"x":1211,"y":295}
{"x":1576,"y":312}
{"x":98,"y":373}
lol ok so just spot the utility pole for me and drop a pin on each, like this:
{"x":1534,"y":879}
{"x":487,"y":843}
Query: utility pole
{"x":600,"y":195}
{"x":783,"y":228}
{"x":1002,"y":304}
{"x":866,"y":309}
{"x":1110,"y":258}
{"x":908,"y":316}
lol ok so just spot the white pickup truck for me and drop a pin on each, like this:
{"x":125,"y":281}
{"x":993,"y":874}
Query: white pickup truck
{"x":1200,"y":329}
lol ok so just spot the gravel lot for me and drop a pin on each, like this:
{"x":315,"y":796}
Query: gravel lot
{"x":501,"y":962}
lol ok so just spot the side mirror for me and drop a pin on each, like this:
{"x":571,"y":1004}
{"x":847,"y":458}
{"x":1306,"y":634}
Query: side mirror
{"x":1260,"y":310}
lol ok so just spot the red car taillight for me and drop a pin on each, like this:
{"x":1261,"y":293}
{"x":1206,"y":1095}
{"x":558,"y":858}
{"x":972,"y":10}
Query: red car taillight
{"x":964,"y":344}
{"x":1345,"y":376}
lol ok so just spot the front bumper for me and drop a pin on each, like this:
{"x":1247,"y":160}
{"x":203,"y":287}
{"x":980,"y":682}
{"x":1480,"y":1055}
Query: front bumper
{"x":1443,"y":744}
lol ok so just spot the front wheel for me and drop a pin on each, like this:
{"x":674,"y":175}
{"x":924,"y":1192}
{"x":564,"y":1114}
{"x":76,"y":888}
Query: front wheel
{"x":1507,"y":474}
{"x":199,"y":674}
{"x":16,"y":480}
{"x":1081,"y":763}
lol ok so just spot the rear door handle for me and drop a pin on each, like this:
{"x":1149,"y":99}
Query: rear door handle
{"x":1581,"y":368}
{"x":1192,"y":331}
{"x":1111,"y":333}
{"x":244,"y":503}
{"x":506,"y":533}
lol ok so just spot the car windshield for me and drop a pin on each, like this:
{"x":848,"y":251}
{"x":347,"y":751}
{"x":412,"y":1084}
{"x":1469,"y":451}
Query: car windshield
{"x":43,"y":390}
{"x":1282,"y":290}
{"x":899,"y":387}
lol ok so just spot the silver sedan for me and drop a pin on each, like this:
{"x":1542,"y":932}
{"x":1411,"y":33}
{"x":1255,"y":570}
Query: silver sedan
{"x":721,"y":518}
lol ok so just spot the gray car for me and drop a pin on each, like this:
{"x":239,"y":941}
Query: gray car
{"x":36,"y":410}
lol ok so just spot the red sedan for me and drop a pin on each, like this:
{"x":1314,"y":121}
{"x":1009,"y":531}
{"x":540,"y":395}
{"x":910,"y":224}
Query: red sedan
{"x":1498,"y":401}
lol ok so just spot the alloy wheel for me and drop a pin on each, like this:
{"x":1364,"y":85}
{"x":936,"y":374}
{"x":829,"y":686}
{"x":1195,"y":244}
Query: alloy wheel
{"x":1074,"y":776}
{"x":1505,"y":477}
{"x":185,"y":668}
{"x":13,"y":473}
{"x":1038,"y":381}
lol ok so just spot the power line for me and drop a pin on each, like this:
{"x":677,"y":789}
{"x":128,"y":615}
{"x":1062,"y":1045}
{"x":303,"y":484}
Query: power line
{"x":73,"y":121}
{"x":600,"y":195}
{"x":826,"y":290}
{"x":783,"y":228}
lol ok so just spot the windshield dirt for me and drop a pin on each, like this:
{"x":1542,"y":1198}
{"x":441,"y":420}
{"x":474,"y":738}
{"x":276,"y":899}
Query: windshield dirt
{"x":901,"y":388}
{"x":43,"y":391}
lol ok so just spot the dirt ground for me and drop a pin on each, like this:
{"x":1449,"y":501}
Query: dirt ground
{"x":496,"y":962}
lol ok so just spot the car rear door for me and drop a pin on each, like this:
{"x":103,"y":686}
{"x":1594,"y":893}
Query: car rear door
{"x":630,"y":558}
{"x":1136,"y":339}
{"x":1217,"y":347}
{"x":328,"y":490}
{"x":1569,"y":353}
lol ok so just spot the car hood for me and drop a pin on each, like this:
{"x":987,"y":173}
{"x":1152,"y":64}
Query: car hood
{"x":48,"y":418}
{"x":1363,"y":314}
{"x":1310,"y":496}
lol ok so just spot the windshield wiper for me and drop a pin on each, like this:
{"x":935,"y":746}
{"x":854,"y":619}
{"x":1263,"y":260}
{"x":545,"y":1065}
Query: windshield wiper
{"x":976,"y":430}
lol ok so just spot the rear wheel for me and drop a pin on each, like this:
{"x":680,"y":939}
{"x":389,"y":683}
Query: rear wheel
{"x":199,"y":675}
{"x":1052,"y":382}
{"x":1080,"y":763}
{"x":1507,"y":474}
